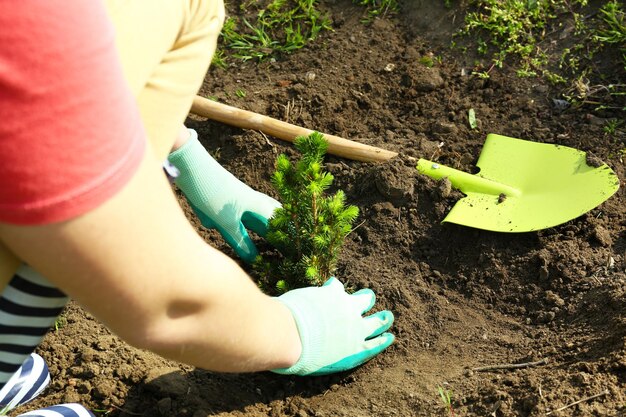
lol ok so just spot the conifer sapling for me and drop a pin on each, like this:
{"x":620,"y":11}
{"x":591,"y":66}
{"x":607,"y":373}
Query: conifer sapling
{"x":310,"y":228}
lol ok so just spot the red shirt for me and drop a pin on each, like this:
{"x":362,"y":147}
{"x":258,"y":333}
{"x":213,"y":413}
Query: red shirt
{"x":70,"y":131}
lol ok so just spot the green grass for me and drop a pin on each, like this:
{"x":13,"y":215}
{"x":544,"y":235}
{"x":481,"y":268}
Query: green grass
{"x":514,"y":30}
{"x":613,"y":31}
{"x":219,"y":59}
{"x":446,"y":399}
{"x":612,"y":126}
{"x":269,"y":28}
{"x":521,"y":34}
{"x":60,"y":322}
{"x":525,"y":35}
{"x":266,"y":29}
{"x":377,"y":8}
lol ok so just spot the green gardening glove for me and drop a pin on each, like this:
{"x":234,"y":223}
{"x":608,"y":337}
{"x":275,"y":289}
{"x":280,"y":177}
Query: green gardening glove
{"x":335,"y":336}
{"x":219,"y":199}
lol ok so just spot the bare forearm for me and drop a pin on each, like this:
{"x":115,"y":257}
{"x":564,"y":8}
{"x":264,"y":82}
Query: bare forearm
{"x":252,"y":336}
{"x":137,"y":264}
{"x":239,"y":330}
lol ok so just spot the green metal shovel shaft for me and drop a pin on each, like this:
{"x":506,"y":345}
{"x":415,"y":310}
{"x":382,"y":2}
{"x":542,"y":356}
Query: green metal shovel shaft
{"x":465,"y":182}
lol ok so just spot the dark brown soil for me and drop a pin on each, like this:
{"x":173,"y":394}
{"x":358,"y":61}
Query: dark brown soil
{"x":463,"y":298}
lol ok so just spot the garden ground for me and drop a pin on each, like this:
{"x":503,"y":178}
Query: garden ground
{"x":463,"y":298}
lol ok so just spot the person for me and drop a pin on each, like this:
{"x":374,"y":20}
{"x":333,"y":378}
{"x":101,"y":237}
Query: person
{"x":94,"y":96}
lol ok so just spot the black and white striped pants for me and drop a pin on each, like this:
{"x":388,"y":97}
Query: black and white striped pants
{"x":29,"y":306}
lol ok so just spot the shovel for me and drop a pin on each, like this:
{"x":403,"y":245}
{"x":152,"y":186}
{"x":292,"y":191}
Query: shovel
{"x":522,"y":186}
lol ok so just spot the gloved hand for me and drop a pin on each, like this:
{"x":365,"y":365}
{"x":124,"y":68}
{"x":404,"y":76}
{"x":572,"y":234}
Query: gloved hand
{"x":335,"y":336}
{"x":219,"y":199}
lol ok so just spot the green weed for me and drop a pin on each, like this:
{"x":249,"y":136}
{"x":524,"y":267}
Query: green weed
{"x":446,"y":398}
{"x":525,"y":35}
{"x":219,"y":59}
{"x":612,"y":126}
{"x":279,"y":26}
{"x":274,"y":27}
{"x":512,"y":29}
{"x":427,"y":61}
{"x":376,"y":8}
{"x":60,"y":323}
{"x":614,"y":30}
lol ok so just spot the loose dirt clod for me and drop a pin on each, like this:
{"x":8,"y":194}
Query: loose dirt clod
{"x":593,"y":161}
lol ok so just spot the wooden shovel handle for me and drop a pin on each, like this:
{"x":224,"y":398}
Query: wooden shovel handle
{"x":249,"y":120}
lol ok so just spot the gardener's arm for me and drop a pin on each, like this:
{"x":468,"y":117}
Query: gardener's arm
{"x":87,"y":205}
{"x":137,"y":264}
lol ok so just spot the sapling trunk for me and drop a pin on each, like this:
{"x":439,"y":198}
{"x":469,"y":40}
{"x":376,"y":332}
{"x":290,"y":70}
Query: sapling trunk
{"x":310,"y":228}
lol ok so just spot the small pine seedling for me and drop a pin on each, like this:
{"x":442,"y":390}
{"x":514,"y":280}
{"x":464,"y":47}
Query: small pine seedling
{"x":310,"y":228}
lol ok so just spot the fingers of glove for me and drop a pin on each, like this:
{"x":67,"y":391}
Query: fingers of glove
{"x":234,"y":232}
{"x":333,"y":284}
{"x":371,"y":348}
{"x":363,"y":299}
{"x":237,"y":237}
{"x":204,"y":219}
{"x":258,"y":211}
{"x":265,"y":205}
{"x":377,"y":323}
{"x":377,"y":344}
{"x":255,"y":222}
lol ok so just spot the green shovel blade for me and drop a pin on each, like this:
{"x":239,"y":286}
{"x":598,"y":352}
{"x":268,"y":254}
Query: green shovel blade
{"x":524,"y":186}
